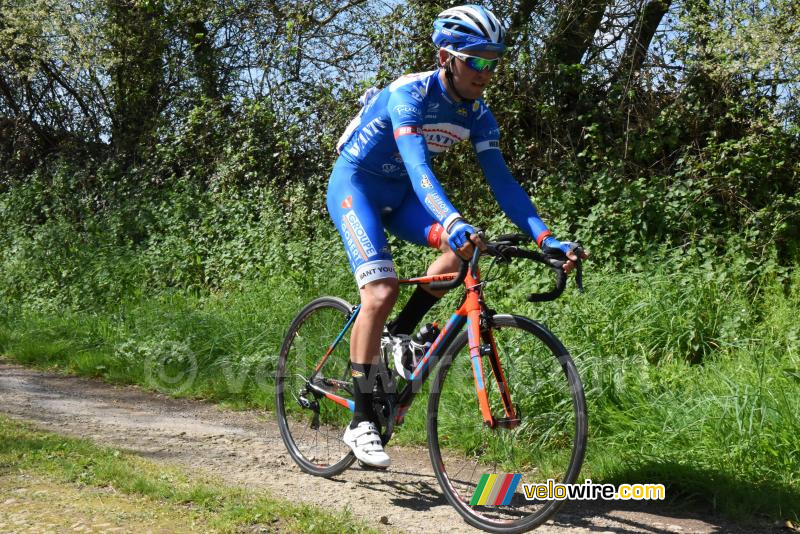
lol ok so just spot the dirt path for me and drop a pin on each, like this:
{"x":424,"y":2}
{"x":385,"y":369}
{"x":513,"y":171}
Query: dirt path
{"x":245,"y":448}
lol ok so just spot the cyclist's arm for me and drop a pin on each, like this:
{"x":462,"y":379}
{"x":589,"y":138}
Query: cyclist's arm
{"x":513,"y":199}
{"x":406,"y":116}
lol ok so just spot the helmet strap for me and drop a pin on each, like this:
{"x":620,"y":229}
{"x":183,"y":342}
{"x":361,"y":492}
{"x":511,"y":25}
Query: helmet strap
{"x":448,"y":74}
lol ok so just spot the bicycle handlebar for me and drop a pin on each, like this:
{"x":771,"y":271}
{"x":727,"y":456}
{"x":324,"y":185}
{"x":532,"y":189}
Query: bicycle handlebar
{"x":507,"y":247}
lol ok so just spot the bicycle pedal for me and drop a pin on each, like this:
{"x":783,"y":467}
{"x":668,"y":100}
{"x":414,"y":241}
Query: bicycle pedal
{"x":507,"y":422}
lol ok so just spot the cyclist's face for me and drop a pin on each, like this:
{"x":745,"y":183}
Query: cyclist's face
{"x":470,"y":83}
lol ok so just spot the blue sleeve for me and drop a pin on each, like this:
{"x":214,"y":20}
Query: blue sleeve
{"x":406,"y":114}
{"x":513,"y":200}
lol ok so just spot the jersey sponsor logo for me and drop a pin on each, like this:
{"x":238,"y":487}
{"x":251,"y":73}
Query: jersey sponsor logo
{"x":360,"y":141}
{"x":475,"y":106}
{"x":348,"y":132}
{"x":425,"y":182}
{"x":480,"y":146}
{"x":462,"y":112}
{"x":406,"y":110}
{"x":437,"y":205}
{"x":407,"y":130}
{"x":358,"y":242}
{"x":439,"y":141}
{"x":418,"y":95}
{"x":442,"y":135}
{"x":348,"y":202}
{"x":432,"y":111}
{"x":374,"y":273}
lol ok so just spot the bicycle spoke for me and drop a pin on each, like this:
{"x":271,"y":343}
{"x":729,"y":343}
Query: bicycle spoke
{"x":548,"y":443}
{"x":312,"y":433}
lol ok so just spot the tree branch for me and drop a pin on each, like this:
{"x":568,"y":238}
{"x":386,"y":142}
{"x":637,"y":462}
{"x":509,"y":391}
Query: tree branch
{"x":333,"y":14}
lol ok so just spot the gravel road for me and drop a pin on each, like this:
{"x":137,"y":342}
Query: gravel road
{"x":245,"y":448}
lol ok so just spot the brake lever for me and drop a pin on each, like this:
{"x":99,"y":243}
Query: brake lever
{"x":579,"y":275}
{"x":501,"y":250}
{"x":559,"y":264}
{"x":579,"y":268}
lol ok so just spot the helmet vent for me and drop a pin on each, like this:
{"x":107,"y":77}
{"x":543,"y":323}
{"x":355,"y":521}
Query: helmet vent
{"x":470,"y":27}
{"x":478,"y":23}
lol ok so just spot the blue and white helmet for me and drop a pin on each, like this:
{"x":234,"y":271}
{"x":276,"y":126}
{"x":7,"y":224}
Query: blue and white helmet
{"x":468,"y":27}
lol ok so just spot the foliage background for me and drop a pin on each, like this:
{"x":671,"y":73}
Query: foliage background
{"x":163,"y":166}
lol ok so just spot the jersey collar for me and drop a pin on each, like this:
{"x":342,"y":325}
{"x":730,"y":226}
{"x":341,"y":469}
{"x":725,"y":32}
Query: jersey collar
{"x":443,"y":89}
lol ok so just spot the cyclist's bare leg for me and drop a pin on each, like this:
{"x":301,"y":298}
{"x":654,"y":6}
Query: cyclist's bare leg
{"x":377,"y":300}
{"x":361,"y":435}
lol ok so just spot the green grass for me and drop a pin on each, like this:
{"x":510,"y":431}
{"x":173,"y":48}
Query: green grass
{"x":692,"y":373}
{"x":140,"y":487}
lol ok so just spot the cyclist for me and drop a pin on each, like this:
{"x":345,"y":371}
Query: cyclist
{"x":382,"y":180}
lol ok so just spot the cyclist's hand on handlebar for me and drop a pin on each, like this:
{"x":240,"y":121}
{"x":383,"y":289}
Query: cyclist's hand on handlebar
{"x":573,"y":251}
{"x":462,"y":237}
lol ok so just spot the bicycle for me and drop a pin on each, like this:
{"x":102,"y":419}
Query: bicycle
{"x":532,"y":414}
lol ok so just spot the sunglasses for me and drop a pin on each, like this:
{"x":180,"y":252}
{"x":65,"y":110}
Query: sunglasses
{"x":476,"y":63}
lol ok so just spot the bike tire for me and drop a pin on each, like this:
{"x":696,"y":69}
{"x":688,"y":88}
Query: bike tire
{"x":319,"y":451}
{"x":549,"y":442}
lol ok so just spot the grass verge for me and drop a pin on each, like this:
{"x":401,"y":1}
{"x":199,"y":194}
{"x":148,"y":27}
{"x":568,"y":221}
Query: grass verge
{"x":692,"y":374}
{"x":44,"y":475}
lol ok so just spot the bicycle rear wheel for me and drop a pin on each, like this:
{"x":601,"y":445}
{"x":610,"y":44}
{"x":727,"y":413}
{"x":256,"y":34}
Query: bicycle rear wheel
{"x":548,"y":443}
{"x":312,"y":425}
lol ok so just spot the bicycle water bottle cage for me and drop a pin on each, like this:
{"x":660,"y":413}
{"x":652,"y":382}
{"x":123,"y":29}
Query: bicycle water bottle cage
{"x":427,"y":334}
{"x":404,"y":353}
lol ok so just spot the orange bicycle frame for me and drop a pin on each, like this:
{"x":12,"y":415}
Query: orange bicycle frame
{"x":480,"y":344}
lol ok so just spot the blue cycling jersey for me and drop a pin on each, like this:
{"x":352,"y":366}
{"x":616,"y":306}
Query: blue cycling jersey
{"x":399,"y":130}
{"x":388,"y":147}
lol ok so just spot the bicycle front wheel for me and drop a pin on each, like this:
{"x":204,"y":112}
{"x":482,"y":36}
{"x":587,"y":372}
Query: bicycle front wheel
{"x":311,"y":424}
{"x":548,"y":441}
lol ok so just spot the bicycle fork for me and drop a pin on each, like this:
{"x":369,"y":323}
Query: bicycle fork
{"x":482,"y":343}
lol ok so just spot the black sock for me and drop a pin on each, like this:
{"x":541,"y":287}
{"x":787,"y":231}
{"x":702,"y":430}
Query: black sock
{"x":363,"y":382}
{"x":415,"y":309}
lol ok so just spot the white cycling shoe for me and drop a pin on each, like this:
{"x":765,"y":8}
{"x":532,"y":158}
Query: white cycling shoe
{"x":366,"y":444}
